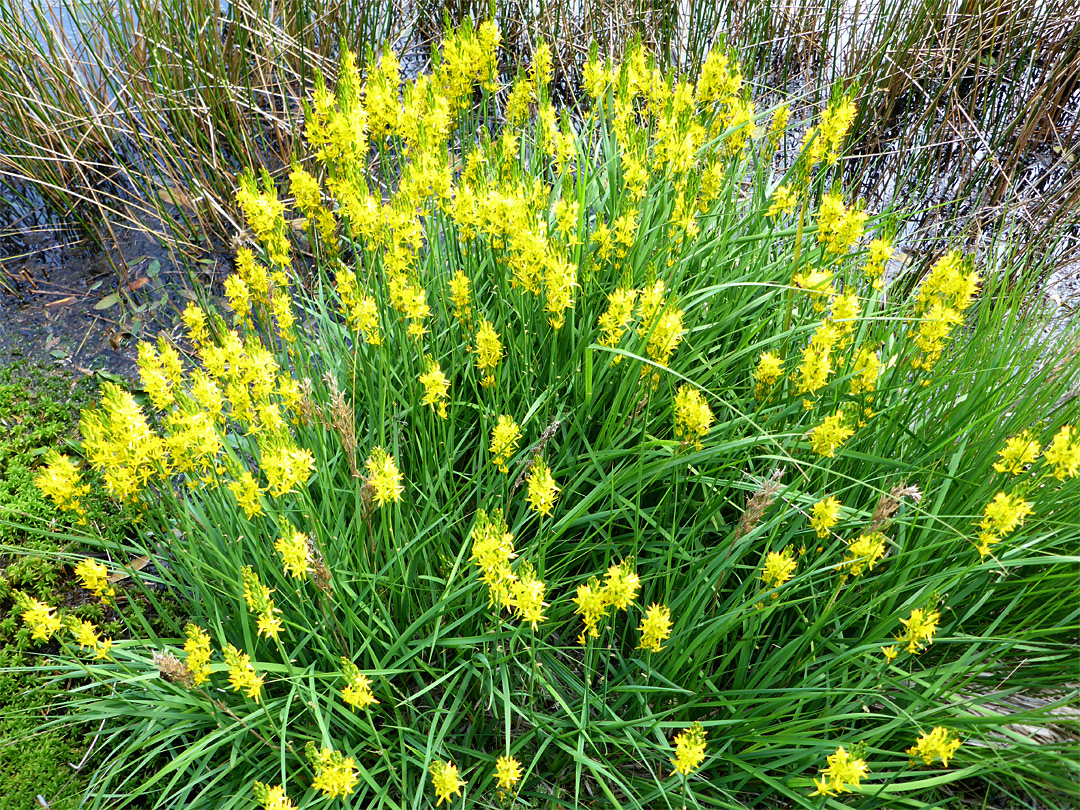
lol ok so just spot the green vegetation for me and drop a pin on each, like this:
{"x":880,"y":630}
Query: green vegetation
{"x":584,"y":453}
{"x":38,"y":411}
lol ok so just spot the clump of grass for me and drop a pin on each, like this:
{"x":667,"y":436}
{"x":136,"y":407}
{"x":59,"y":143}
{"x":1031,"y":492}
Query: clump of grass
{"x":581,"y":454}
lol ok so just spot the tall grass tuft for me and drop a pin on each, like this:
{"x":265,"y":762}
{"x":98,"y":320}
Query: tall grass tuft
{"x":597,"y":463}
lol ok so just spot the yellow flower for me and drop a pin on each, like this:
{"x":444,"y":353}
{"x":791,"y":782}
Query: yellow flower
{"x":246,"y":491}
{"x":889,"y":652}
{"x":689,"y":750}
{"x":919,"y":627}
{"x":1002,"y":515}
{"x":489,"y":350}
{"x":830,"y":434}
{"x":295,"y":555}
{"x":444,"y":778}
{"x":507,"y":772}
{"x":435,"y":387}
{"x":842,"y":771}
{"x":824,"y":515}
{"x":269,"y":623}
{"x":272,"y":797}
{"x":592,"y":604}
{"x":938,"y":744}
{"x":335,"y":774}
{"x":492,"y":550}
{"x":527,"y":596}
{"x":459,"y":296}
{"x":692,"y":415}
{"x":1064,"y":453}
{"x":864,"y":552}
{"x":43,"y":622}
{"x":779,"y":567}
{"x":242,"y":674}
{"x":769,"y":369}
{"x":383,"y":477}
{"x":504,"y":442}
{"x":621,"y":585}
{"x":60,"y":482}
{"x":542,"y":488}
{"x":94,"y":577}
{"x":655,"y":628}
{"x":616,"y":319}
{"x":357,"y":691}
{"x":286,"y":468}
{"x":197,"y":647}
{"x":1018,"y":452}
{"x":784,"y":199}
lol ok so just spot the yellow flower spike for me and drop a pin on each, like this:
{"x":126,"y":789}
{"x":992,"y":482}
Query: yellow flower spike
{"x":592,"y":604}
{"x":444,"y":778}
{"x":44,"y":623}
{"x":890,"y":653}
{"x":384,"y":477}
{"x":1018,"y":452}
{"x":919,"y":627}
{"x":937,"y":744}
{"x":827,"y":437}
{"x":296,"y":557}
{"x":272,"y":797}
{"x":504,"y":442}
{"x":769,"y":369}
{"x":841,"y":772}
{"x":335,"y":773}
{"x":94,"y":577}
{"x":197,"y":648}
{"x":507,"y":772}
{"x":246,"y":491}
{"x":287,"y":468}
{"x":59,"y":481}
{"x":621,"y":585}
{"x":357,"y":692}
{"x":689,"y":750}
{"x":242,"y":674}
{"x":824,"y":515}
{"x":783,"y":199}
{"x":527,"y":596}
{"x":655,"y":628}
{"x":779,"y":567}
{"x":864,"y":552}
{"x":435,"y":387}
{"x":542,"y":489}
{"x":489,"y":350}
{"x":692,"y":415}
{"x":1063,"y":453}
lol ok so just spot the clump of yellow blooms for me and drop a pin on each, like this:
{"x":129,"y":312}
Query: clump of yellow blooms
{"x":827,"y":437}
{"x":616,"y":319}
{"x":435,"y":387}
{"x":592,"y":605}
{"x":527,"y":593}
{"x":824,"y":515}
{"x":492,"y":551}
{"x":272,"y":797}
{"x":937,"y":744}
{"x":383,"y":477}
{"x":542,"y":488}
{"x":242,"y":674}
{"x":86,"y":634}
{"x":1018,"y":452}
{"x":43,"y":621}
{"x":770,"y":368}
{"x":95,"y":578}
{"x":360,"y":310}
{"x":783,"y":199}
{"x":444,"y":778}
{"x":246,"y":491}
{"x":779,"y":567}
{"x":197,"y":649}
{"x":655,"y":628}
{"x":60,"y":481}
{"x":296,"y":557}
{"x":118,"y":441}
{"x":489,"y":351}
{"x":1063,"y":453}
{"x":879,"y":252}
{"x":1003,"y":515}
{"x":692,"y":415}
{"x":257,"y":597}
{"x":335,"y":774}
{"x":689,"y":750}
{"x":863,"y":553}
{"x":919,"y":628}
{"x":842,"y":772}
{"x":460,"y":296}
{"x":942,"y":299}
{"x":839,"y":227}
{"x":357,"y":692}
{"x":507,"y":772}
{"x":504,"y":442}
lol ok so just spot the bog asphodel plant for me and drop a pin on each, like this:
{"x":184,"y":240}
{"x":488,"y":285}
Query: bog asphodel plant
{"x":510,"y":395}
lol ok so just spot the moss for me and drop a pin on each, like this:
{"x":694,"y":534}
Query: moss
{"x":39,"y":409}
